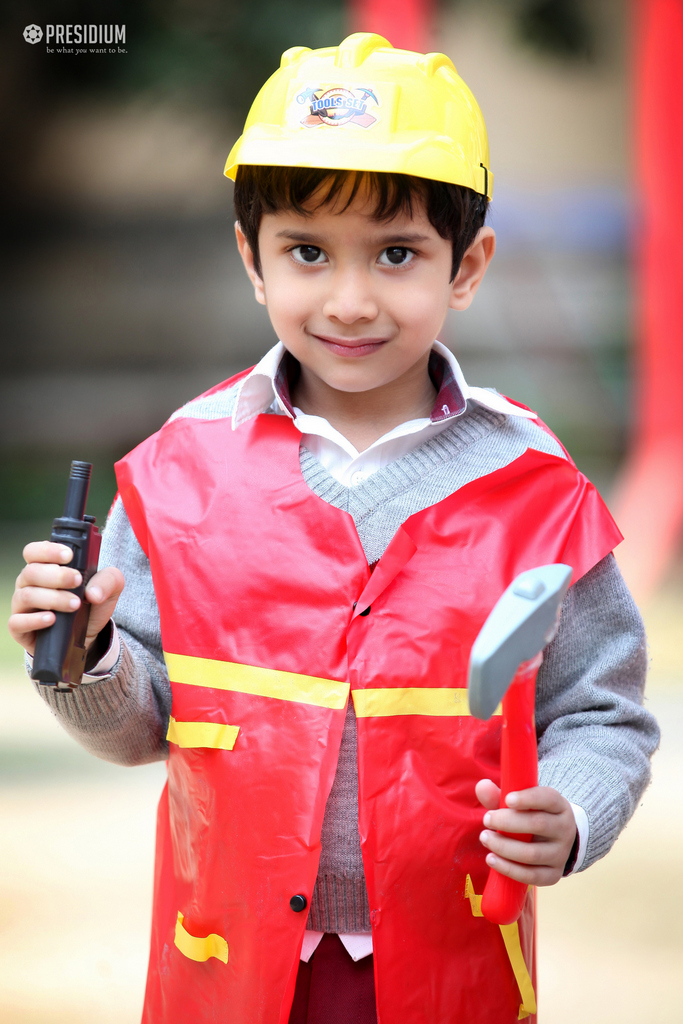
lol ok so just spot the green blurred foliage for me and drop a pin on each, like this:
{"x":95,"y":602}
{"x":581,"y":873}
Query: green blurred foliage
{"x":33,"y":485}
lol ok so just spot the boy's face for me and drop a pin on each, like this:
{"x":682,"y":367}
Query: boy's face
{"x":359,"y":301}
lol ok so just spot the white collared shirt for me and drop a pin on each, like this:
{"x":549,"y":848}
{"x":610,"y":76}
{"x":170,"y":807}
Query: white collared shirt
{"x":261,"y":391}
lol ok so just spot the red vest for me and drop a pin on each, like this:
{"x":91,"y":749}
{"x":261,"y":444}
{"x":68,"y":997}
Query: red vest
{"x":269,"y":616}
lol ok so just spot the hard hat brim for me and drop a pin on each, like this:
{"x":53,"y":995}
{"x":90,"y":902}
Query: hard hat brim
{"x":423,"y":155}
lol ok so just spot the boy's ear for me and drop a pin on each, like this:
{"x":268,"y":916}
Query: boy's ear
{"x":248,"y":260}
{"x":472,"y":269}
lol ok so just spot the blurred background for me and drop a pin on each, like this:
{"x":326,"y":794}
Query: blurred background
{"x":122,"y":297}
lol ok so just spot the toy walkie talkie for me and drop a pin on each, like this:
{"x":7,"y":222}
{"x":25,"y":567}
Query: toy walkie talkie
{"x":59,"y":657}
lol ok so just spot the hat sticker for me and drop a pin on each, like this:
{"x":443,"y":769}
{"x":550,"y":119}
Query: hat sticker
{"x":337,"y":106}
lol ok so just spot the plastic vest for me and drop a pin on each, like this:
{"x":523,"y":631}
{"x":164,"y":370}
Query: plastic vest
{"x":270,"y":616}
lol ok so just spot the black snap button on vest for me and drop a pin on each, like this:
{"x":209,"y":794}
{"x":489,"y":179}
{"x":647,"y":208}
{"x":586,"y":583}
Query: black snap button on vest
{"x":367,"y":610}
{"x":298,"y":903}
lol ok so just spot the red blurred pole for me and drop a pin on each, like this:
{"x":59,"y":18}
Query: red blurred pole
{"x":649,"y":501}
{"x":407,"y":24}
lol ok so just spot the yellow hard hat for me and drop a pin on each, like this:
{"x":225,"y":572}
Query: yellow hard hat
{"x":364,"y":106}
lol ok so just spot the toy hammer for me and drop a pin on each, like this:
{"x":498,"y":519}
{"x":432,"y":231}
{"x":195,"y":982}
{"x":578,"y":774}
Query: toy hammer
{"x":504,"y":662}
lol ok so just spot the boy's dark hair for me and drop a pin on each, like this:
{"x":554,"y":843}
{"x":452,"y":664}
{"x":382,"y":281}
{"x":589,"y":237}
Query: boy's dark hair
{"x":454,"y":211}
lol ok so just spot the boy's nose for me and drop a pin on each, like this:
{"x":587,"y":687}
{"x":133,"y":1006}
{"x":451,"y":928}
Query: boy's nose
{"x":350,"y":298}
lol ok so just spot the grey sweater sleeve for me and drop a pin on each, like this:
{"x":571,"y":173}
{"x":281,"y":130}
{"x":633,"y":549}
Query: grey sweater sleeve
{"x":123,"y":717}
{"x":595,"y":736}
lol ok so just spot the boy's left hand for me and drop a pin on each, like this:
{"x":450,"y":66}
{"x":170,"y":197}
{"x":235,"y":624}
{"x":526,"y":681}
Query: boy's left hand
{"x":542,"y":812}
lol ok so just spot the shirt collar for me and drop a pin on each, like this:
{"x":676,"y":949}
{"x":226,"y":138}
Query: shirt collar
{"x":267,"y":387}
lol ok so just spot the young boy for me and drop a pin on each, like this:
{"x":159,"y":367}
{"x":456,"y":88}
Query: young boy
{"x":338,"y":522}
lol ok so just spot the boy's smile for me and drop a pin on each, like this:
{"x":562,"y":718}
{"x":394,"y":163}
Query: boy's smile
{"x":358,"y":302}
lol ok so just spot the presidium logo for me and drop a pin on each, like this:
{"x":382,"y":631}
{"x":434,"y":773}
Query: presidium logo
{"x":86,"y":38}
{"x":33,"y":33}
{"x":337,"y":106}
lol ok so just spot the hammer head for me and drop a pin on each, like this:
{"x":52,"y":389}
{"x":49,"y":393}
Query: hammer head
{"x":522,"y":623}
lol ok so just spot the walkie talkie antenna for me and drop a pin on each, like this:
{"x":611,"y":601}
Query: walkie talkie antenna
{"x":77,"y":490}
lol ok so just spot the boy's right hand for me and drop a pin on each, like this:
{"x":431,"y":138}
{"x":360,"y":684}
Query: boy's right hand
{"x":42,"y":589}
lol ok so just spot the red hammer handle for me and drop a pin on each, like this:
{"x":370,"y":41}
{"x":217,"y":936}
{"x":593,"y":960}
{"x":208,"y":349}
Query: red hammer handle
{"x":503,"y":897}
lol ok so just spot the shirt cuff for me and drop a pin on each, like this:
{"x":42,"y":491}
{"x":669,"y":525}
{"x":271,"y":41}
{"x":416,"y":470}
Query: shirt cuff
{"x":582,"y":828}
{"x":108,"y":659}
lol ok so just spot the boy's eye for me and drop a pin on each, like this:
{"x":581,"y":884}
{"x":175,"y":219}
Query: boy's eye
{"x":308,"y":254}
{"x":395,"y":256}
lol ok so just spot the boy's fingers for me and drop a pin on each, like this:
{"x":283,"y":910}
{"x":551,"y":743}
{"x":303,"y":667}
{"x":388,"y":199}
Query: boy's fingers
{"x":105,"y":585}
{"x":488,"y":793}
{"x":47,"y":551}
{"x":522,"y":873}
{"x":538,"y":798}
{"x":532,"y":854}
{"x":31,"y":599}
{"x":535,"y":823}
{"x":39,"y":574}
{"x":102,"y":592}
{"x":23,"y":628}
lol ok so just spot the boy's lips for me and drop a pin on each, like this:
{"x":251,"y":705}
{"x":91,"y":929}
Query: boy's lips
{"x":351,"y":346}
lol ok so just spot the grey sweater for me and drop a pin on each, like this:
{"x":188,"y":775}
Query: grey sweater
{"x":595,"y":736}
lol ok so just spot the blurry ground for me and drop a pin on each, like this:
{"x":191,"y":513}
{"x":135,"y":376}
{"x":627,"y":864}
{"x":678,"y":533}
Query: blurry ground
{"x":76,"y":852}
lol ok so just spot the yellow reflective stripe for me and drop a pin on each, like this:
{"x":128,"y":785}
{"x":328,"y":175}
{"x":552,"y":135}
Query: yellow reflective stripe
{"x":412,"y":700}
{"x":261,"y":682}
{"x":475,"y":901}
{"x":200,"y":949}
{"x":202,"y":734}
{"x":510,"y":933}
